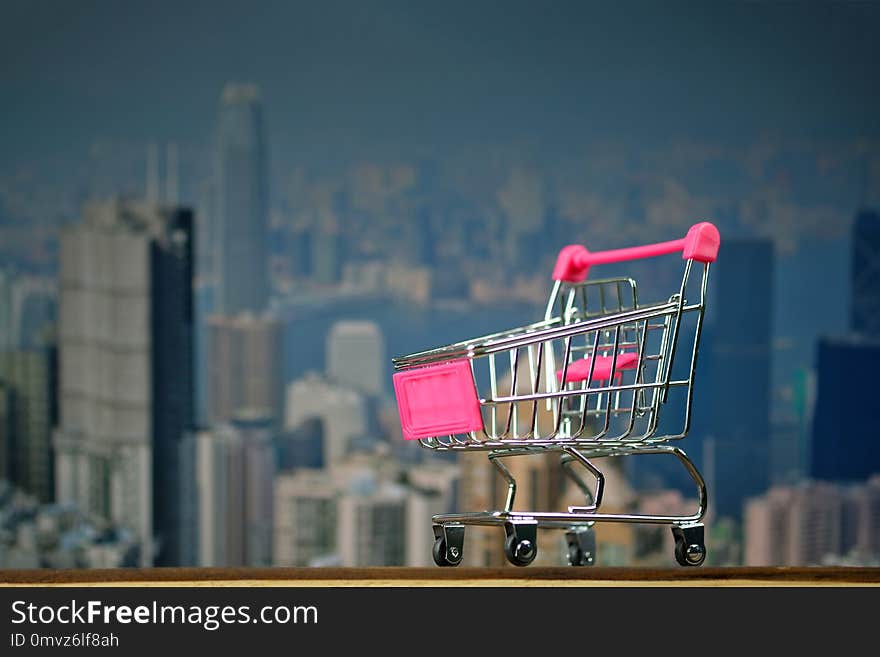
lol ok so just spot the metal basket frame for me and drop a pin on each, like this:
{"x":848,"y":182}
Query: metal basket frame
{"x":617,"y":415}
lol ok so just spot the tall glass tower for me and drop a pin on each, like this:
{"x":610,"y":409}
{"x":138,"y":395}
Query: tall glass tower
{"x":866,"y":274}
{"x":844,"y":443}
{"x":125,"y":374}
{"x":735,"y":360}
{"x":240,"y":254}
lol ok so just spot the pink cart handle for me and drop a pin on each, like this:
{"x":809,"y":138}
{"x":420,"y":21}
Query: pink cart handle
{"x":701,"y":243}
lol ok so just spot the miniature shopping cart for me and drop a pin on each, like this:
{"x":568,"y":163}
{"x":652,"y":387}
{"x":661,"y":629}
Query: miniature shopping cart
{"x":602,"y":375}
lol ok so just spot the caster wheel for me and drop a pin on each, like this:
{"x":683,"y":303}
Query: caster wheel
{"x":575,"y":556}
{"x":520,"y":551}
{"x":690,"y":550}
{"x":581,"y":547}
{"x":447,"y":550}
{"x":689,"y":555}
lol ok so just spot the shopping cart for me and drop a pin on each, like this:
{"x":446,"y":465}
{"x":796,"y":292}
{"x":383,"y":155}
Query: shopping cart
{"x":588,"y":381}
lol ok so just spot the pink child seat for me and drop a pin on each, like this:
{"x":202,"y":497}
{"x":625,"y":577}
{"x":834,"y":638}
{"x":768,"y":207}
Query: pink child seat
{"x":579,"y":370}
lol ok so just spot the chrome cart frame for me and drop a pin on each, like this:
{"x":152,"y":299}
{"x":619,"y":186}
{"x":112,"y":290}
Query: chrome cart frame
{"x":593,"y":379}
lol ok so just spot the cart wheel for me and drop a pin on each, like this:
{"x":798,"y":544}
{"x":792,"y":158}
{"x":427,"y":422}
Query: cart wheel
{"x":581,"y":547}
{"x":520,"y":551}
{"x":690,"y":550}
{"x":575,"y":555}
{"x":448,"y":544}
{"x":691,"y":555}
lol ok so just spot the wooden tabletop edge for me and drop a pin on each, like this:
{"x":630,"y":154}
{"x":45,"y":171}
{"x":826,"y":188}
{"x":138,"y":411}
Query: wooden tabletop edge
{"x":442,"y":576}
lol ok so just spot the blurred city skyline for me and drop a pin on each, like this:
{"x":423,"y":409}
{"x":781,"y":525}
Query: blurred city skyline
{"x":343,"y":183}
{"x":401,"y":83}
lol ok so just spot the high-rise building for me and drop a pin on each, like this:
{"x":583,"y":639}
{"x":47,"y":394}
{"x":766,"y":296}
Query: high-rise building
{"x":356,"y":356}
{"x":372,"y":526}
{"x":864,"y":507}
{"x":844,"y":444}
{"x":812,"y":523}
{"x":206,"y":200}
{"x":523,"y":201}
{"x":203,"y":300}
{"x":436,"y":475}
{"x":424,"y":238}
{"x":735,"y":368}
{"x":305,"y":517}
{"x":34,"y":309}
{"x":206,"y":505}
{"x":233,"y":499}
{"x":240,"y":235}
{"x":765,"y":525}
{"x":326,"y":256}
{"x":125,"y":358}
{"x":302,"y":447}
{"x":30,"y":377}
{"x":785,"y":452}
{"x":6,"y":278}
{"x":865,"y":263}
{"x":244,"y":366}
{"x":6,"y":432}
{"x":188,"y":500}
{"x":299,"y":252}
{"x":256,"y":454}
{"x":343,"y":413}
{"x":792,"y":430}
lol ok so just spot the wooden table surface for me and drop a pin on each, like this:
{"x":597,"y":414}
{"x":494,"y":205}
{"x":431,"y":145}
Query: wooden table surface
{"x":409,"y":577}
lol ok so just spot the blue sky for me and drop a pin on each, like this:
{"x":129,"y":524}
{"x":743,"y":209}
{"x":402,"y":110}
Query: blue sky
{"x":359,"y":77}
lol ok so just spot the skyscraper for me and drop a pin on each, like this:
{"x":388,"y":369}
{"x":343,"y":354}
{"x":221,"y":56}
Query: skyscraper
{"x":865,"y":309}
{"x":6,"y":431}
{"x":372,"y":525}
{"x":523,"y":200}
{"x":356,"y":356}
{"x":302,"y":447}
{"x":299,"y":252}
{"x":244,"y":366}
{"x":241,"y":206}
{"x":326,"y":256}
{"x":30,"y":376}
{"x":256,"y":454}
{"x":735,"y":366}
{"x":305,"y":517}
{"x":207,"y":506}
{"x":6,"y":279}
{"x":188,"y":500}
{"x":343,"y":413}
{"x":125,"y":357}
{"x":843,"y":445}
{"x":34,"y":309}
{"x":844,"y":431}
{"x":234,"y":469}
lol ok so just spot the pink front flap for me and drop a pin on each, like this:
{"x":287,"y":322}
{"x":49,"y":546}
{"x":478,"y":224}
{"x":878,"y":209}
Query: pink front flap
{"x":579,"y":370}
{"x":437,"y":400}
